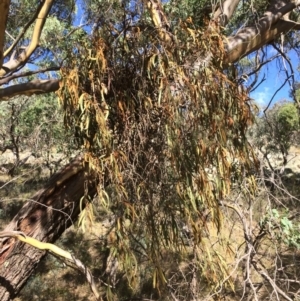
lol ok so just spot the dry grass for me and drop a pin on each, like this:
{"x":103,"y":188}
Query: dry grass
{"x":55,"y":281}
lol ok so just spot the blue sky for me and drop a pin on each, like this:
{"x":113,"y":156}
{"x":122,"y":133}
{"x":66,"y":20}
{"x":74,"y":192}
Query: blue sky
{"x":275,"y":77}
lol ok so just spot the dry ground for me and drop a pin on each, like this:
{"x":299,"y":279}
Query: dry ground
{"x":53,"y":280}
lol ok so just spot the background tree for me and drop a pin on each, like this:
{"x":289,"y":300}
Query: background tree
{"x":35,"y":127}
{"x":276,"y":128}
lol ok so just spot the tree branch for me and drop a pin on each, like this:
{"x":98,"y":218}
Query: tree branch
{"x":13,"y":64}
{"x":21,"y":34}
{"x":28,"y":73}
{"x":286,"y":80}
{"x":30,"y":88}
{"x":266,"y":30}
{"x":224,"y":12}
{"x":277,"y":290}
{"x":250,"y":39}
{"x":253,"y":85}
{"x":292,"y":75}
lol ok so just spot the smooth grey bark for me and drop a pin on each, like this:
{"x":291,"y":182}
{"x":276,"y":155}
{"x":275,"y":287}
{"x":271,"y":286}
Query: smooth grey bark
{"x":225,"y":11}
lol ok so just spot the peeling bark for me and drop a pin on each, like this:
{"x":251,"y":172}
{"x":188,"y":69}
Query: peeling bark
{"x":51,"y":211}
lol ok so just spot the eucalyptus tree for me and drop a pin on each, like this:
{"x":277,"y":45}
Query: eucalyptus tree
{"x":153,"y":94}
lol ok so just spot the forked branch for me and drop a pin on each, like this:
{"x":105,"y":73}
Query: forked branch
{"x":23,"y":31}
{"x":14,"y":63}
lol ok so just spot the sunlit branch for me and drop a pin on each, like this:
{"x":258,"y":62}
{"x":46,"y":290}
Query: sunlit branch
{"x":225,"y":11}
{"x":23,"y":31}
{"x":14,"y":63}
{"x":56,"y":251}
{"x":10,"y":37}
{"x":266,"y":30}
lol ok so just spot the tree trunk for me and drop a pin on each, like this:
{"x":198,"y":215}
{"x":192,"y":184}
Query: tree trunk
{"x":4,"y":8}
{"x":51,"y":211}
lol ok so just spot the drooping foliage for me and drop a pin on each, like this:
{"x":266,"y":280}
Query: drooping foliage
{"x":163,"y":127}
{"x":161,"y":120}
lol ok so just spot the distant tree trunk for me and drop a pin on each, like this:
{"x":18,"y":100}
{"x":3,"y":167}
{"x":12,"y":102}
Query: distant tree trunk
{"x":51,"y":211}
